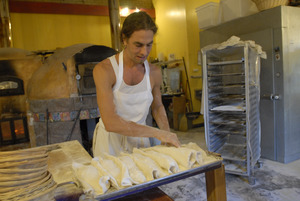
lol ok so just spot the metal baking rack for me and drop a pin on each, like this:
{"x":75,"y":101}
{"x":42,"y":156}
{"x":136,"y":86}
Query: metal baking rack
{"x":231,"y":107}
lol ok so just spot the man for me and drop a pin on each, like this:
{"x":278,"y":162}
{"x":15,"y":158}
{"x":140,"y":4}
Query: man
{"x":127,"y":86}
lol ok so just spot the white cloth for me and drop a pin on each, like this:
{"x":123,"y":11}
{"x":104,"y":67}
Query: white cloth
{"x":132,"y":104}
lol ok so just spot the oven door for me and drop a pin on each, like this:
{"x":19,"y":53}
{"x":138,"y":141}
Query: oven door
{"x":11,"y":86}
{"x":13,"y":130}
{"x":85,"y":80}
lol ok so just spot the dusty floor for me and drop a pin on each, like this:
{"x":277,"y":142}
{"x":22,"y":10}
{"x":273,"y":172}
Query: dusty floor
{"x":274,"y":181}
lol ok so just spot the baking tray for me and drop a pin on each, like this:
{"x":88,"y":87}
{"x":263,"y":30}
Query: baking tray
{"x":112,"y":194}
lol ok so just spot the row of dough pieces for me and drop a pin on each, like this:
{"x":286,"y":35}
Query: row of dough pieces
{"x":142,"y":165}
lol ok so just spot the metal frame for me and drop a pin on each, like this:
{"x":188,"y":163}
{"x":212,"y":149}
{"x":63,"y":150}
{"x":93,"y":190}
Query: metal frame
{"x":13,"y":134}
{"x":233,"y":134}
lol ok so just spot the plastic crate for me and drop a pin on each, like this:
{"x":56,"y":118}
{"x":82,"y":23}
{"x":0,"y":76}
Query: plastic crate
{"x":208,"y":15}
{"x":232,"y":9}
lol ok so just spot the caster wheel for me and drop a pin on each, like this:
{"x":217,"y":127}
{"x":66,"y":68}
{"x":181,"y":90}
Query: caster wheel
{"x":251,"y":180}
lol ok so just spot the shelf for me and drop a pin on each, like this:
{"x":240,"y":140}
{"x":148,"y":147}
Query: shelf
{"x":226,"y":74}
{"x":196,"y":76}
{"x":228,"y":97}
{"x":235,"y":85}
{"x":162,"y":63}
{"x":229,"y":123}
{"x":229,"y":108}
{"x":233,"y":152}
{"x":235,"y":167}
{"x":219,"y":63}
{"x":242,"y":133}
{"x":232,"y":169}
{"x":225,"y":130}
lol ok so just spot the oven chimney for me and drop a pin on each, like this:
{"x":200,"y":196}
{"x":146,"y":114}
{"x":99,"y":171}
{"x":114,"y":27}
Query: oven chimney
{"x":114,"y":15}
{"x":5,"y":25}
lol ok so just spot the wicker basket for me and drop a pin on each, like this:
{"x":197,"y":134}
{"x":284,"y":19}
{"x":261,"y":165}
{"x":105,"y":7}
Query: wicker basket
{"x":267,"y":4}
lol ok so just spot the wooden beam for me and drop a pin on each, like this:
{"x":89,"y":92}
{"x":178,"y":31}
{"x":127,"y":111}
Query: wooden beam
{"x":57,"y":8}
{"x":63,"y":8}
{"x":5,"y":30}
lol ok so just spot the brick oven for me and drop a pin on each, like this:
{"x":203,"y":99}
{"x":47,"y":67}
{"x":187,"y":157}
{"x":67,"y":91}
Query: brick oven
{"x":62,"y":95}
{"x":16,"y":68}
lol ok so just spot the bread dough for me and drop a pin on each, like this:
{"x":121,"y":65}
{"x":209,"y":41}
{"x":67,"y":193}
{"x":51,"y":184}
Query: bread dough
{"x":135,"y":173}
{"x":149,"y":167}
{"x":102,"y":171}
{"x":90,"y":179}
{"x":185,"y":157}
{"x":144,"y":164}
{"x":118,"y":170}
{"x":164,"y":161}
{"x":205,"y":158}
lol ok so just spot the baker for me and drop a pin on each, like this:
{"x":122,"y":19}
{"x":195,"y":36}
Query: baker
{"x":127,"y":86}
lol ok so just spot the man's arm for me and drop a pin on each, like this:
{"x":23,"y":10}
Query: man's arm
{"x":158,"y":109}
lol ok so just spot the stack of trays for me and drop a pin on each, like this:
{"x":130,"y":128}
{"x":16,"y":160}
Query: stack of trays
{"x":24,"y":175}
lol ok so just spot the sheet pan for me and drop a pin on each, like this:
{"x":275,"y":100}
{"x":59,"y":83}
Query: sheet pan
{"x":114,"y":194}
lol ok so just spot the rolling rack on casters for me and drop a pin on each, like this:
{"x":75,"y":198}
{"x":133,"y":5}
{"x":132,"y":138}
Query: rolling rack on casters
{"x":231,"y":106}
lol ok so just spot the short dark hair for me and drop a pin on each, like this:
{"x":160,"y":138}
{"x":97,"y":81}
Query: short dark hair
{"x":135,"y":22}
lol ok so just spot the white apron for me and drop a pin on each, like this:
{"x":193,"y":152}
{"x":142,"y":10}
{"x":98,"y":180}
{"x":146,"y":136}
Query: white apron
{"x":132,"y":106}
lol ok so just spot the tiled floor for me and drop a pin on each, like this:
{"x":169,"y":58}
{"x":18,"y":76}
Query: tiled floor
{"x":273,"y":181}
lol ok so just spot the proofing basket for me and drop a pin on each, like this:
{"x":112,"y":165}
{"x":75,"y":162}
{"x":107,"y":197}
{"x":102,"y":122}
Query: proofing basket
{"x":267,"y":4}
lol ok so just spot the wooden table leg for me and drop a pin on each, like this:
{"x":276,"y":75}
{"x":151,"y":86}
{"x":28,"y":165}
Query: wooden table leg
{"x":215,"y":184}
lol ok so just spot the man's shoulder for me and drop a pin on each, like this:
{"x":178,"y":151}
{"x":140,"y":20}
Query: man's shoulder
{"x":154,"y":68}
{"x":103,"y":67}
{"x":155,"y":74}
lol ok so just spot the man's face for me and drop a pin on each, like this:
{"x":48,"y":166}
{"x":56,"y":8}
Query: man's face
{"x":139,"y":45}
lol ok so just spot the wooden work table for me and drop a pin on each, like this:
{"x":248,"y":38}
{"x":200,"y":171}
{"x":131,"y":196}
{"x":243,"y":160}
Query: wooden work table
{"x":62,"y":155}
